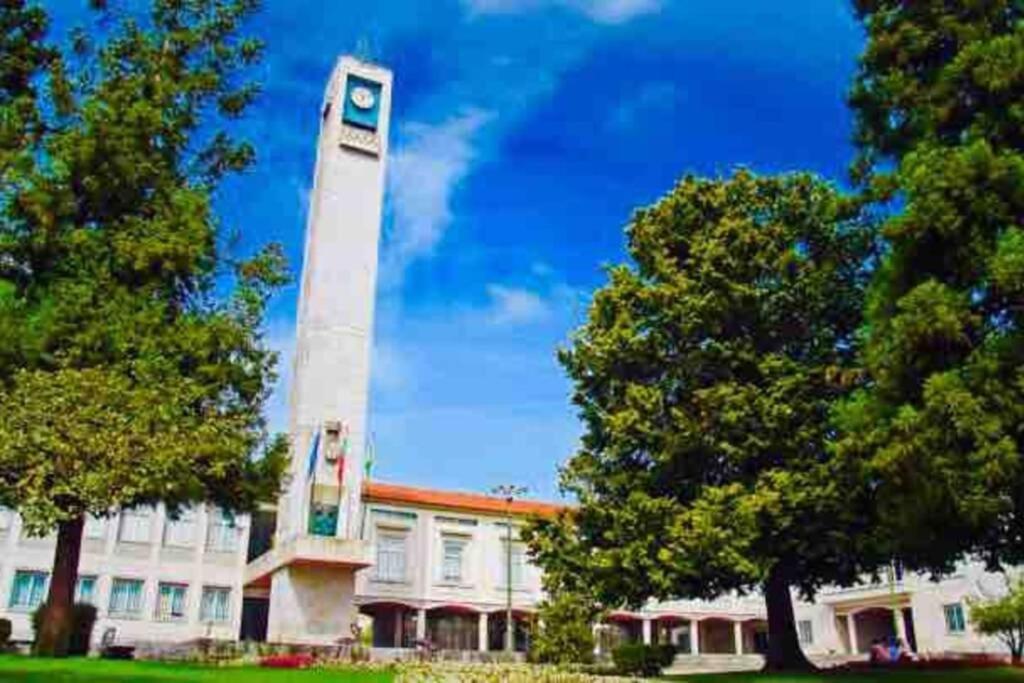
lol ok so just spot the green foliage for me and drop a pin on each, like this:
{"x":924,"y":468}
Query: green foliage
{"x":563,"y":630}
{"x":939,"y":424}
{"x":129,"y":377}
{"x":637,"y":659}
{"x":705,"y":376}
{"x":133,"y":368}
{"x":1003,"y":618}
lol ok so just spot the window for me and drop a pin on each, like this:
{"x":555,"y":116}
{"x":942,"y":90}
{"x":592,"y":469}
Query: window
{"x":170,"y":601}
{"x":28,"y":590}
{"x":214,"y":606}
{"x":390,"y":557}
{"x":955,"y":622}
{"x":134,"y":526}
{"x":85,"y":590}
{"x":95,"y":527}
{"x":181,"y":532}
{"x":518,"y":563}
{"x":222,"y":533}
{"x":451,"y":563}
{"x":126,"y":598}
{"x":806,"y":630}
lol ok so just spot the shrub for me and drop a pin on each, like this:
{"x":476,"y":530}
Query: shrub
{"x":83,"y":618}
{"x":563,"y":631}
{"x":636,"y":659}
{"x":5,"y":634}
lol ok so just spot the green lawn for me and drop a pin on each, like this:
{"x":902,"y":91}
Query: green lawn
{"x":975,"y":676}
{"x":30,"y":670}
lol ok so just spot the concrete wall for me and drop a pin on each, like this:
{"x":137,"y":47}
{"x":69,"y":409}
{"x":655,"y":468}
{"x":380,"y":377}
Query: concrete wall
{"x":311,"y":604}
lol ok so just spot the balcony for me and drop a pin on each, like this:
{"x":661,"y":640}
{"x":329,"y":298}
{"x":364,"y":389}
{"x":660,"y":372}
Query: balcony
{"x":323,"y":551}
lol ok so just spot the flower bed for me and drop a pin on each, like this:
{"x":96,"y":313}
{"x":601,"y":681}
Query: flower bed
{"x":297,"y":661}
{"x":449,"y":672}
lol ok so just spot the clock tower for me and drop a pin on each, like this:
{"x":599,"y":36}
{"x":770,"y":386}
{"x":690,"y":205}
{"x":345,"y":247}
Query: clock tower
{"x":310,"y":572}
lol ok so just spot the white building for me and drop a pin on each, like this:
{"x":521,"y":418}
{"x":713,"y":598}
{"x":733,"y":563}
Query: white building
{"x":422,"y":565}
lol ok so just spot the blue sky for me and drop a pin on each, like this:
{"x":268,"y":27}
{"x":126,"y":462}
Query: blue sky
{"x":524,"y":134}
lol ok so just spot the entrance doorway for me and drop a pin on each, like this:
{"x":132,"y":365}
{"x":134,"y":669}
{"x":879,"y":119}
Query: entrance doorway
{"x":254,"y":619}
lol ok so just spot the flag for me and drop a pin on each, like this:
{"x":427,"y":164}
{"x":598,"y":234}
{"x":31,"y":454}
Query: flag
{"x":344,"y":454}
{"x":313,"y":454}
{"x":368,"y":463}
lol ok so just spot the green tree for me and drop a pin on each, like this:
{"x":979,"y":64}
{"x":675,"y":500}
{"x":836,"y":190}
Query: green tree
{"x":940,"y":126}
{"x":1003,"y":618}
{"x":705,"y":375}
{"x":563,"y":631}
{"x":133,"y":368}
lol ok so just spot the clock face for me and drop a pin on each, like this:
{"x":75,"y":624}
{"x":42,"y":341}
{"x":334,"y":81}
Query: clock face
{"x":363,"y":97}
{"x":362,"y":102}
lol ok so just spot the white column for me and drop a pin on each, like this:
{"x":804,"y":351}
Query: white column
{"x":596,"y":630}
{"x":482,"y":633}
{"x":694,"y":637}
{"x":901,"y":626}
{"x":737,"y":635}
{"x":646,"y":630}
{"x":851,"y":627}
{"x":421,"y":624}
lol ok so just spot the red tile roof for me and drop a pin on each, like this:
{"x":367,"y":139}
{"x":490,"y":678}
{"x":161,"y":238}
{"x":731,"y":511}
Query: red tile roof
{"x":377,"y":492}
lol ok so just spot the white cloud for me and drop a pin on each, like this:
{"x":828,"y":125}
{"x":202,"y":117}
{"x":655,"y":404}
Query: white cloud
{"x":424,"y":173}
{"x":515,"y":306}
{"x":601,"y":11}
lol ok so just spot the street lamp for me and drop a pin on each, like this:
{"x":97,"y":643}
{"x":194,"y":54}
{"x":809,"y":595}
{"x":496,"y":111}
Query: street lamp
{"x":509,"y":492}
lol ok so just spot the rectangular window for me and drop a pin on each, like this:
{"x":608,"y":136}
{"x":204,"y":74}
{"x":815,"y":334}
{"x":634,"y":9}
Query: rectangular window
{"x":214,"y":606}
{"x":806,"y":631}
{"x":391,"y":557}
{"x":126,"y":598}
{"x":29,"y":589}
{"x":518,"y":563}
{"x":95,"y":527}
{"x":181,"y":532}
{"x":85,"y":590}
{"x":451,"y":562}
{"x":170,"y":602}
{"x":955,"y":622}
{"x":135,"y":526}
{"x":222,"y":533}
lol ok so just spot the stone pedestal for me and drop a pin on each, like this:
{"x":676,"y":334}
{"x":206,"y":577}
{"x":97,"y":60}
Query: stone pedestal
{"x":311,"y":605}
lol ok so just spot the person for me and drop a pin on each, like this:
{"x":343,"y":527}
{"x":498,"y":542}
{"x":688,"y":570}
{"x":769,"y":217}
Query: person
{"x":878,"y":654}
{"x":895,"y":649}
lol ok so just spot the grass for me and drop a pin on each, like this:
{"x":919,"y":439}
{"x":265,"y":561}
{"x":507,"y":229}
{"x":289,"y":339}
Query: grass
{"x":965,"y":676}
{"x":15,"y":669}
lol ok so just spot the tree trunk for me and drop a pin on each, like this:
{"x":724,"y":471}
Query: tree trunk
{"x":55,"y":625}
{"x":784,"y":653}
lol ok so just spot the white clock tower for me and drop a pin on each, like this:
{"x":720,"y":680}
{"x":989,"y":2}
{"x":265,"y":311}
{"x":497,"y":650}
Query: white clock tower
{"x":318,"y":548}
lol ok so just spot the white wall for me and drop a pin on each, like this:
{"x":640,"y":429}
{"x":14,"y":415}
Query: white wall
{"x":481,"y":588}
{"x":108,"y":558}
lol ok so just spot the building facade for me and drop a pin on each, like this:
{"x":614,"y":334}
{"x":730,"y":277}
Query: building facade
{"x":437,"y":571}
{"x":337,"y":554}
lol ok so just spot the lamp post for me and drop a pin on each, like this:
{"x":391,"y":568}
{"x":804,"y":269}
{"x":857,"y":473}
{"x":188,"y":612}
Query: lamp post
{"x":509,"y":492}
